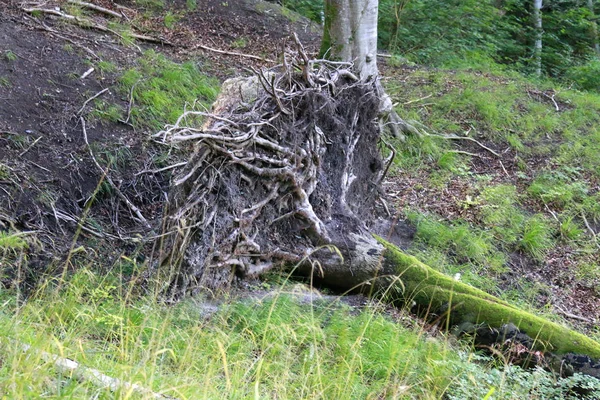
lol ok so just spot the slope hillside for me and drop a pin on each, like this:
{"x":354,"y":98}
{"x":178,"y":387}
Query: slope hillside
{"x":500,"y":189}
{"x":124,"y":78}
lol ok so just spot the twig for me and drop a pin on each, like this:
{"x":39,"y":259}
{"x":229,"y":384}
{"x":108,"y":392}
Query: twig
{"x":467,"y":153}
{"x":90,"y":99}
{"x":416,"y":100}
{"x":232,"y":53}
{"x":551,"y":213}
{"x":131,"y":206}
{"x":156,"y":171}
{"x":553,"y":101}
{"x":388,"y":163}
{"x":96,"y":8}
{"x":588,"y":226}
{"x":30,"y":147}
{"x":504,"y":169}
{"x":454,"y":137}
{"x":572,"y":316}
{"x":130,"y":104}
{"x":87,"y":73}
{"x":74,"y":43}
{"x":40,"y":167}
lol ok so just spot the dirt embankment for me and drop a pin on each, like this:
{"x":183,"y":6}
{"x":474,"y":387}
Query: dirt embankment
{"x":61,"y":67}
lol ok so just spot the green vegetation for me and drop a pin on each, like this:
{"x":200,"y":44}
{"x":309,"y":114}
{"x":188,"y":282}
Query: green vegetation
{"x":162,"y":89}
{"x":532,"y":190}
{"x":10,"y":241}
{"x":9,"y":55}
{"x":534,"y":200}
{"x":436,"y":292}
{"x":170,"y":20}
{"x":247,"y":348}
{"x":487,"y":35}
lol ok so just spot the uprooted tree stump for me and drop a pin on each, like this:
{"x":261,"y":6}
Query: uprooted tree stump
{"x":286,"y":163}
{"x":286,"y":171}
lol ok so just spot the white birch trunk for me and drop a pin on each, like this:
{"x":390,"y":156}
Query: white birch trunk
{"x":590,"y":4}
{"x":537,"y":16}
{"x":351,"y":34}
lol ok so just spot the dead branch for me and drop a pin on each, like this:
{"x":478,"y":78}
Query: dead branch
{"x":96,"y":8}
{"x":87,"y":73}
{"x":129,"y":204}
{"x":100,"y":93}
{"x":454,"y":137}
{"x":417,"y":100}
{"x":86,"y":23}
{"x":94,"y":376}
{"x":30,"y":147}
{"x":572,"y":316}
{"x":231,"y":53}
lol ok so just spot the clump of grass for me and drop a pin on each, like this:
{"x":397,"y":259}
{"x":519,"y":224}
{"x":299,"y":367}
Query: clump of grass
{"x":170,"y":20}
{"x":569,"y":229}
{"x":12,"y":241}
{"x":107,"y":111}
{"x":9,"y":55}
{"x":537,"y":237}
{"x":501,"y":214}
{"x":191,"y":4}
{"x":106,"y":67}
{"x":162,"y":89}
{"x":151,"y":5}
{"x":558,"y":189}
{"x":464,"y":242}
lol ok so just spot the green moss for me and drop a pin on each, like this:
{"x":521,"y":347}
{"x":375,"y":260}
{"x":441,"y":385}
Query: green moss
{"x":436,"y":291}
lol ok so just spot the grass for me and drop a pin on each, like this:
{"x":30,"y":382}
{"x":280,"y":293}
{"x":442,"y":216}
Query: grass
{"x":162,"y":89}
{"x":9,"y":55}
{"x":546,"y":200}
{"x":277,"y":346}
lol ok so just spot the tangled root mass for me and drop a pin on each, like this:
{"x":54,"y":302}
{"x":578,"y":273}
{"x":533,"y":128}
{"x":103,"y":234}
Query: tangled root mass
{"x":286,"y":164}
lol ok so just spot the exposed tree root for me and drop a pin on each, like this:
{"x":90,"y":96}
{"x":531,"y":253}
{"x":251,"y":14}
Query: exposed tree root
{"x":287,"y":162}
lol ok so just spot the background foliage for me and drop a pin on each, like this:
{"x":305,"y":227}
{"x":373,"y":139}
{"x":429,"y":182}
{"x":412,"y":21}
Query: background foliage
{"x":472,"y":33}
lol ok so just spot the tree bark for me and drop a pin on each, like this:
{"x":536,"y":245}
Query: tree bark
{"x":595,"y":44}
{"x":537,"y":17}
{"x":350,"y":34}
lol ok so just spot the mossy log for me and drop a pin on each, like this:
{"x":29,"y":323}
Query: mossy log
{"x":433,"y":290}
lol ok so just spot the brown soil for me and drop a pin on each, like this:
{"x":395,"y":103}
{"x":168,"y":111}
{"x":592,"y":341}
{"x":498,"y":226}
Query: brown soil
{"x":47,"y":176}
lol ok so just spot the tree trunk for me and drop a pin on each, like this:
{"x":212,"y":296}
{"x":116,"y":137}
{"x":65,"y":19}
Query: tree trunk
{"x":350,"y":34}
{"x":595,"y":44}
{"x":537,"y":54}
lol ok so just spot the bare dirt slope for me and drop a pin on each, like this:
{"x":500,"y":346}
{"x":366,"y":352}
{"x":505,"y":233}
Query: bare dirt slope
{"x":48,"y":179}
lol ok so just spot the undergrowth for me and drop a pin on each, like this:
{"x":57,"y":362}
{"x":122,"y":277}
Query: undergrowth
{"x":156,"y":91}
{"x":278,"y":346}
{"x":537,"y":195}
{"x":162,"y":89}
